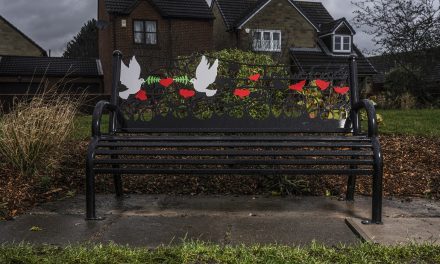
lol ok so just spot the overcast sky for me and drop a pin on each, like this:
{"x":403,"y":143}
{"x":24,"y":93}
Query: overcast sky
{"x":53,"y":23}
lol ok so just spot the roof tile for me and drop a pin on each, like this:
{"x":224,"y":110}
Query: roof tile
{"x":48,"y":66}
{"x":198,"y":9}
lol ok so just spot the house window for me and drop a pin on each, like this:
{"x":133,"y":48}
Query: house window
{"x":145,"y":32}
{"x":267,"y":40}
{"x":342,"y":43}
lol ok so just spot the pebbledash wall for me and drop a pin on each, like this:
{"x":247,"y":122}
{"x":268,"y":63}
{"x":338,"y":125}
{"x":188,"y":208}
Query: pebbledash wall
{"x":176,"y":37}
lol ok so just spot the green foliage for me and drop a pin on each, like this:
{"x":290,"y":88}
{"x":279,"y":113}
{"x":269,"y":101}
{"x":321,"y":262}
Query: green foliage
{"x":85,"y":43}
{"x":182,"y":79}
{"x":152,"y":80}
{"x":199,"y":252}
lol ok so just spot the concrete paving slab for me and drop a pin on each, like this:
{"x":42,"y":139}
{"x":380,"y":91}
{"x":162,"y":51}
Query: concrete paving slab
{"x":52,"y":229}
{"x":152,"y":220}
{"x":154,"y":231}
{"x":405,"y":220}
{"x":396,"y":231}
{"x":148,"y":220}
{"x":301,"y":230}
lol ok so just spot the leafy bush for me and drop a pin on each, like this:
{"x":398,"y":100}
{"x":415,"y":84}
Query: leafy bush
{"x":32,"y":134}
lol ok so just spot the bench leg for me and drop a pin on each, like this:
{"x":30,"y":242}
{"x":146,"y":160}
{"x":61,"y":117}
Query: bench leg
{"x":117,"y":178}
{"x":90,"y":195}
{"x":90,"y":184}
{"x":118,"y":184}
{"x":351,"y":185}
{"x":376,"y":210}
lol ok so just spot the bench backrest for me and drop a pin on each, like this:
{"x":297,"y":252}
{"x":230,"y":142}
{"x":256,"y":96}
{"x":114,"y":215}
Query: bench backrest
{"x":202,"y":94}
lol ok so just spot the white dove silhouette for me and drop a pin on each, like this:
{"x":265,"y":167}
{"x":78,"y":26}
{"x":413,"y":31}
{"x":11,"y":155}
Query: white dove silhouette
{"x":205,"y":75}
{"x":130,"y":78}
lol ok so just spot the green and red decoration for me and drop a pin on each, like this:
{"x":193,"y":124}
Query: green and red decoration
{"x":342,"y":90}
{"x":141,"y":95}
{"x":298,"y":86}
{"x":255,"y":77}
{"x":185,"y":93}
{"x":322,"y":85}
{"x":242,"y":93}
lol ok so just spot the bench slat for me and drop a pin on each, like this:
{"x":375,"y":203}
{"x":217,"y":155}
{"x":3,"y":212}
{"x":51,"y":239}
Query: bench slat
{"x":234,"y":171}
{"x":235,"y":144}
{"x":234,"y":138}
{"x":235,"y":152}
{"x":236,"y":161}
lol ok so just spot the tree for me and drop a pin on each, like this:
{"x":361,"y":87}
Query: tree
{"x":85,"y":43}
{"x":406,"y":31}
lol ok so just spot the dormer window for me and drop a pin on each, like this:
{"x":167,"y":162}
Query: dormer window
{"x":341,"y":43}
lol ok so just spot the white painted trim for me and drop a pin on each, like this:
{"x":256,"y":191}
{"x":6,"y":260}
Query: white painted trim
{"x":333,"y":32}
{"x":326,"y":35}
{"x":342,"y":44}
{"x":343,"y":22}
{"x":99,"y":66}
{"x":256,"y":12}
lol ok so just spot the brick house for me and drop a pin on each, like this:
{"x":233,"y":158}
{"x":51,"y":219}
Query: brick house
{"x":298,"y":32}
{"x":153,"y":30}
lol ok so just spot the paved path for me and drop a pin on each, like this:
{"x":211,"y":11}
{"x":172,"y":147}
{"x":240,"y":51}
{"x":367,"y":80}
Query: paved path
{"x":152,"y":220}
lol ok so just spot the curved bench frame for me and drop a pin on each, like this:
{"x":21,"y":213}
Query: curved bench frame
{"x":357,"y":106}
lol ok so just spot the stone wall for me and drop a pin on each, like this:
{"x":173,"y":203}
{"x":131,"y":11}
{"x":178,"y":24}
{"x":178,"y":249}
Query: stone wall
{"x":15,"y":44}
{"x":296,"y":31}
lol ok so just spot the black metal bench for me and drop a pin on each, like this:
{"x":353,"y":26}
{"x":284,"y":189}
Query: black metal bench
{"x":271,"y":123}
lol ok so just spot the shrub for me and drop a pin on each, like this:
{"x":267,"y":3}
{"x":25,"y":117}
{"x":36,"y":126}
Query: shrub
{"x":33,"y":132}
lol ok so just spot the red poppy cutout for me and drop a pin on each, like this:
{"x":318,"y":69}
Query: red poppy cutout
{"x":166,"y":82}
{"x":298,"y":86}
{"x":323,"y":85}
{"x":185,"y":93}
{"x":254,"y":77}
{"x":141,"y":95}
{"x":242,"y":93}
{"x":342,"y":90}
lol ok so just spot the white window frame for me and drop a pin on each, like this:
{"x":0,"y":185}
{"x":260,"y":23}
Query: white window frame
{"x":272,"y":47}
{"x":342,"y":50}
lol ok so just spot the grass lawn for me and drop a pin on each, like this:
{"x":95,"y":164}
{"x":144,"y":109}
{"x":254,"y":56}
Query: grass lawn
{"x":208,"y":253}
{"x":425,"y":122}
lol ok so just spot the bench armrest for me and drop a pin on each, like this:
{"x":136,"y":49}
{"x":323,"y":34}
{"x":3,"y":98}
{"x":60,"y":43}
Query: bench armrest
{"x":97,"y":116}
{"x":371,"y":113}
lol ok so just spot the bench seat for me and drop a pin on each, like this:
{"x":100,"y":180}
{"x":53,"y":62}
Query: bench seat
{"x":231,"y":154}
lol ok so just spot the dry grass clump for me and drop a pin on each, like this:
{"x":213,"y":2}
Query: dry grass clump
{"x":32,"y":134}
